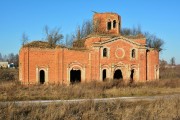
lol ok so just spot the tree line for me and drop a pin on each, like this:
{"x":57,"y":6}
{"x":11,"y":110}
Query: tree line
{"x":54,"y":36}
{"x":10,"y":58}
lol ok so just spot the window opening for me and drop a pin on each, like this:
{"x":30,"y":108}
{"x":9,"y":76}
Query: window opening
{"x":105,"y":52}
{"x":108,"y":25}
{"x":133,"y":53}
{"x":114,"y":24}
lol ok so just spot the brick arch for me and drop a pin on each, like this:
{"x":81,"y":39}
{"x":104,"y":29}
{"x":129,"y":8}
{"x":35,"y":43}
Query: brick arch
{"x":118,"y":73}
{"x":107,"y":68}
{"x":120,"y":66}
{"x":133,"y":73}
{"x":76,"y":66}
{"x":38,"y":74}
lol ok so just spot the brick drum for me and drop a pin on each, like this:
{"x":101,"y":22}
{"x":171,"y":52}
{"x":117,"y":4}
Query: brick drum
{"x":106,"y":55}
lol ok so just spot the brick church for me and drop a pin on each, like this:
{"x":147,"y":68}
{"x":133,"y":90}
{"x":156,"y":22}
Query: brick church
{"x":106,"y":55}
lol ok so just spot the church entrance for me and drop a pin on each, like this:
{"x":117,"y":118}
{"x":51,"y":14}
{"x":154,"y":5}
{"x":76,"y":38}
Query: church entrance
{"x":118,"y":75}
{"x":75,"y":76}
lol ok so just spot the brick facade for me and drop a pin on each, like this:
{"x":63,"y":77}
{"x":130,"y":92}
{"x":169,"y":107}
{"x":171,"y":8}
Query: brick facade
{"x":107,"y":55}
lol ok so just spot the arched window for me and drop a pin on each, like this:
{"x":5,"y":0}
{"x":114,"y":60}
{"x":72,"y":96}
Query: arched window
{"x":114,"y":24}
{"x":105,"y":52}
{"x":42,"y":77}
{"x":109,"y":25}
{"x":132,"y":76}
{"x":133,"y":53}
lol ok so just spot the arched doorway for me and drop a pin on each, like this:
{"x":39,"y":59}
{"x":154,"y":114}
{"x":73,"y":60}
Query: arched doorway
{"x":118,"y":74}
{"x":75,"y":76}
{"x":132,"y":76}
{"x":104,"y":75}
{"x":42,"y":77}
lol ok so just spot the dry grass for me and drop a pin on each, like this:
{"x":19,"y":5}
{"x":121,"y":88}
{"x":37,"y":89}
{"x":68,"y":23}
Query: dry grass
{"x":10,"y":91}
{"x":170,"y":73}
{"x":162,"y":109}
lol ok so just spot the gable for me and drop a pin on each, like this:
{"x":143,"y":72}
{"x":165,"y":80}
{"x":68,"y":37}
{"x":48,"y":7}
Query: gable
{"x":120,"y":38}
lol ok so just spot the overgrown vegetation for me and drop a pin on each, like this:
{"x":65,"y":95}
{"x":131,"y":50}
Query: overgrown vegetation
{"x":10,"y":89}
{"x":53,"y":39}
{"x":53,"y":36}
{"x":170,"y":73}
{"x":8,"y":75}
{"x":41,"y":44}
{"x":152,"y":40}
{"x":167,"y":108}
{"x":161,"y":109}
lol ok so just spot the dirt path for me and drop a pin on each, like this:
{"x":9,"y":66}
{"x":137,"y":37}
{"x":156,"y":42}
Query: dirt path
{"x":126,"y":99}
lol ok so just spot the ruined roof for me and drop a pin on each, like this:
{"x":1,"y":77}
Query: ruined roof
{"x":79,"y":43}
{"x":40,"y":44}
{"x":105,"y":13}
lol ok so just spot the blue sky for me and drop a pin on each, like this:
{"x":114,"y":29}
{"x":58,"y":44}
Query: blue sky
{"x":159,"y":17}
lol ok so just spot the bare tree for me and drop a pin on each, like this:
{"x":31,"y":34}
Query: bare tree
{"x":84,"y":30}
{"x":172,"y":61}
{"x":87,"y":28}
{"x":78,"y":33}
{"x":151,"y":40}
{"x":69,"y":40}
{"x":131,"y":31}
{"x":11,"y":58}
{"x":24,"y":39}
{"x":53,"y":36}
{"x":163,"y":64}
{"x":81,"y":32}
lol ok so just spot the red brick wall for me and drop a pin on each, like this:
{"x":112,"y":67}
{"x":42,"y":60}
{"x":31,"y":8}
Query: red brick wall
{"x":58,"y":62}
{"x":153,"y":64}
{"x":101,"y":19}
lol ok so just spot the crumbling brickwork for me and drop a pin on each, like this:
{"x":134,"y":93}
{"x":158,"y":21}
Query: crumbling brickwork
{"x":107,"y":55}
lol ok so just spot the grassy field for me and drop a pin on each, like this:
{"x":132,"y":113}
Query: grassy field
{"x":11,"y":90}
{"x":162,"y":109}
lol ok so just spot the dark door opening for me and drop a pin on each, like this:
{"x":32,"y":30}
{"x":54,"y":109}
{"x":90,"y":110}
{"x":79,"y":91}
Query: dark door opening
{"x":42,"y":77}
{"x":75,"y":76}
{"x":132,"y":76}
{"x":104,"y":74}
{"x":118,"y":74}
